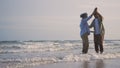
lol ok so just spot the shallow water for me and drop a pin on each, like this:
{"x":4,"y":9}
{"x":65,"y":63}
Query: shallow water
{"x":30,"y":53}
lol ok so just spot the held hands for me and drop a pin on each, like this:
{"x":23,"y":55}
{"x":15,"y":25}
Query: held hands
{"x":95,"y":10}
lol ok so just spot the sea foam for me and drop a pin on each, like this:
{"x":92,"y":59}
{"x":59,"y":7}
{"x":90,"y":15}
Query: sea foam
{"x":44,"y":52}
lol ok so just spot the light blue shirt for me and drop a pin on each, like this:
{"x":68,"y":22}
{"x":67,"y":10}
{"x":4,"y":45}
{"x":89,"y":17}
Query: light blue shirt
{"x":97,"y":27}
{"x":84,"y":26}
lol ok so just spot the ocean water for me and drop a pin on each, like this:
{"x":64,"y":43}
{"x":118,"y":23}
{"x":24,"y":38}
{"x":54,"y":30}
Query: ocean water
{"x":19,"y":54}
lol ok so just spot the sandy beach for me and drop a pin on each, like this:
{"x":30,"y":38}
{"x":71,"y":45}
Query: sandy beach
{"x":50,"y":33}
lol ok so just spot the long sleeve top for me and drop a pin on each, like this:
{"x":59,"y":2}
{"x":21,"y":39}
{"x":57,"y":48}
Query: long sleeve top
{"x":98,"y":26}
{"x":84,"y":26}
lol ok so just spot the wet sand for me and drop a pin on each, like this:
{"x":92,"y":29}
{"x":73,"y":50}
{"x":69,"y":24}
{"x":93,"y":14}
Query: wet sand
{"x":108,"y":63}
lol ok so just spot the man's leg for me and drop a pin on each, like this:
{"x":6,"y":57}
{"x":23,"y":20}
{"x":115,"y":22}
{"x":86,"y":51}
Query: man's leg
{"x":85,"y":43}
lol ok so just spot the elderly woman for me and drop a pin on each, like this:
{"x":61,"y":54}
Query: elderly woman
{"x":99,"y":32}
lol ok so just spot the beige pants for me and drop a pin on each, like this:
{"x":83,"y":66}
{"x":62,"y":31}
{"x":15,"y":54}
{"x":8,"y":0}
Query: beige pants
{"x":85,"y":43}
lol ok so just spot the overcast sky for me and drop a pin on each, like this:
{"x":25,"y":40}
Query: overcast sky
{"x":54,"y":19}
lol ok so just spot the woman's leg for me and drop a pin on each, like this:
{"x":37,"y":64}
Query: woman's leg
{"x":101,"y":43}
{"x":96,"y":41}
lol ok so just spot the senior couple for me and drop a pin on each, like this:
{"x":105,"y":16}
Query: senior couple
{"x":99,"y":31}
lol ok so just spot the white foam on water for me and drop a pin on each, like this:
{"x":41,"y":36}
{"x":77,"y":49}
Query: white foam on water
{"x":33,"y":53}
{"x":66,"y":58}
{"x":28,"y":62}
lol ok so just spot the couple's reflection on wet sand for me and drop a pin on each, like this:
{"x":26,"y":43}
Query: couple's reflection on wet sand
{"x":86,"y":64}
{"x":99,"y":64}
{"x":94,"y":64}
